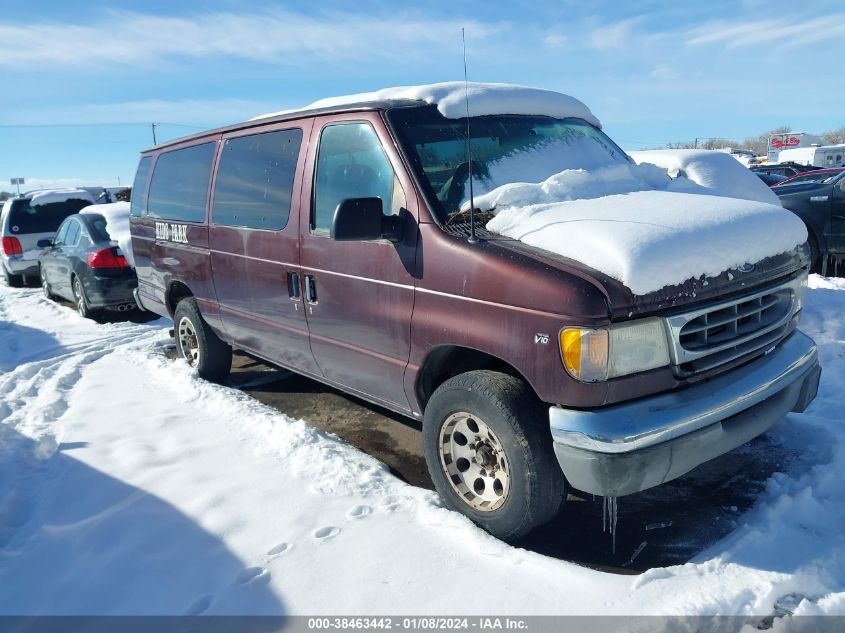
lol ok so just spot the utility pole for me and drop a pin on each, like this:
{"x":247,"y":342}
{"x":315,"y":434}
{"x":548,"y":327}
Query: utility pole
{"x":153,"y":126}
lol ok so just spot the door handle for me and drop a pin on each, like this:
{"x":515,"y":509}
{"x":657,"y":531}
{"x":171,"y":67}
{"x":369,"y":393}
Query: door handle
{"x":310,"y":289}
{"x":294,"y":291}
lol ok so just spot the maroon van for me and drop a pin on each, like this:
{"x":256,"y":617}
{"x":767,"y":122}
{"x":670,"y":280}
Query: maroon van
{"x":332,"y":241}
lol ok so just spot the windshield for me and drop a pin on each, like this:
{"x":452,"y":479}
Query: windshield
{"x":44,"y":218}
{"x":505,"y":149}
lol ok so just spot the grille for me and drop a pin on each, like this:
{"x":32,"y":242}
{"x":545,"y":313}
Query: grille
{"x":707,"y":338}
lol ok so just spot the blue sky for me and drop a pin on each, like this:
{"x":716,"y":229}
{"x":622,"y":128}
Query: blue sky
{"x":83,"y":80}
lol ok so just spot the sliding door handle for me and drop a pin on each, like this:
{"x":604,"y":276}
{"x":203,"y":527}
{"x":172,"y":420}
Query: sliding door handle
{"x":310,"y":289}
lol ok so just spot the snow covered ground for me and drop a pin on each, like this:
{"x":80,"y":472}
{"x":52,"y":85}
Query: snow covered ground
{"x":127,"y":486}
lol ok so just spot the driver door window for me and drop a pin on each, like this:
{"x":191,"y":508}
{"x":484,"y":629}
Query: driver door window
{"x":352,"y":164}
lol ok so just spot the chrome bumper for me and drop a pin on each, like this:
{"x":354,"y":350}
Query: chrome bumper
{"x":137,"y":298}
{"x":630,"y":447}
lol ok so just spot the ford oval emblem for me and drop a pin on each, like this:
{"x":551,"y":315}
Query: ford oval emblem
{"x":746,"y":268}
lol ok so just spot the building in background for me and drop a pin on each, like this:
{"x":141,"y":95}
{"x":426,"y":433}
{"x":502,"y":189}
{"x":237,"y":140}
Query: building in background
{"x":790,"y":140}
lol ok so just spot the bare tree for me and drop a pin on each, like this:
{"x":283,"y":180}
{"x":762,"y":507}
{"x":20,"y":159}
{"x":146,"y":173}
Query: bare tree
{"x":760,"y":144}
{"x":834,"y":137}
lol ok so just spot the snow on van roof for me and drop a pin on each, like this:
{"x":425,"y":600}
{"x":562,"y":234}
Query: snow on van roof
{"x":484,"y":99}
{"x":48,"y":196}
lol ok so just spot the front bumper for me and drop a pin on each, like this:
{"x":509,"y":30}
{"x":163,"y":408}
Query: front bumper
{"x":631,"y":447}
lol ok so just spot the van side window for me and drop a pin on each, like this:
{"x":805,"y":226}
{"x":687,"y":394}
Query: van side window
{"x":138,"y":202}
{"x":352,"y":164}
{"x":255,"y":176}
{"x":179,"y":187}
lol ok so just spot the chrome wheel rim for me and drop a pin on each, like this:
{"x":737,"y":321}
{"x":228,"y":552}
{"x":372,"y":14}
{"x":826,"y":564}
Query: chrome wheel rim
{"x":80,"y":298}
{"x":474,"y":462}
{"x":45,"y":287}
{"x":188,"y":343}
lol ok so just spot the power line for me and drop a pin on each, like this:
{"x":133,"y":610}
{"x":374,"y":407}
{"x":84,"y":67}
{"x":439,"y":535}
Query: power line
{"x":127,"y":124}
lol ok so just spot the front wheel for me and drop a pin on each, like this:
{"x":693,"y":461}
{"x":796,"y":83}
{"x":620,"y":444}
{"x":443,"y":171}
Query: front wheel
{"x":489,"y":453}
{"x":198,"y":344}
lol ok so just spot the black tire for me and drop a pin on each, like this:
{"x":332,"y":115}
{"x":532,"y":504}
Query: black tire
{"x":12,"y":280}
{"x":197,"y":343}
{"x":79,"y":298}
{"x":45,"y":285}
{"x":536,"y":486}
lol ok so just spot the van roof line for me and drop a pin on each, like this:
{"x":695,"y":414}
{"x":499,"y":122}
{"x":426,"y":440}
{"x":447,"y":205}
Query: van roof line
{"x":363,"y":106}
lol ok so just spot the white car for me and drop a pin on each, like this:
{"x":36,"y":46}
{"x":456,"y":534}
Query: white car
{"x":29,"y":218}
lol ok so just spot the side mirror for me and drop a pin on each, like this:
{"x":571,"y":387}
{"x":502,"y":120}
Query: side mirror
{"x":44,"y":243}
{"x":362,"y":220}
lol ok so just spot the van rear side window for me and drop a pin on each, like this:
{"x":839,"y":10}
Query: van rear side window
{"x":255,"y":176}
{"x":138,"y":202}
{"x":179,"y":187}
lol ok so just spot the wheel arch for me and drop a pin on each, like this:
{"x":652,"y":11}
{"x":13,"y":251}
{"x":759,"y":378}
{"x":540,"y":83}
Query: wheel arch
{"x":446,"y":361}
{"x":176,"y":291}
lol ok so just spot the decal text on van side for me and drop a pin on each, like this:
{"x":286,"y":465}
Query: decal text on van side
{"x":172,"y":232}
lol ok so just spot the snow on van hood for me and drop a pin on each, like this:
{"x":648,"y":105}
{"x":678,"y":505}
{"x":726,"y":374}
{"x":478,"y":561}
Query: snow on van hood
{"x":625,"y":221}
{"x":49,"y":196}
{"x":484,"y":99}
{"x":116,"y":215}
{"x":710,"y":169}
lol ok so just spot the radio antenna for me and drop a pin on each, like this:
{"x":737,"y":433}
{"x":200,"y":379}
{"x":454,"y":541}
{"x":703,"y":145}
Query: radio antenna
{"x":472,"y":238}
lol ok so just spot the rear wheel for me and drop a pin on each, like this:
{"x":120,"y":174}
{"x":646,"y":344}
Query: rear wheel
{"x":80,"y":300}
{"x":198,"y":344}
{"x":45,"y":285}
{"x":12,"y":280}
{"x":489,"y":453}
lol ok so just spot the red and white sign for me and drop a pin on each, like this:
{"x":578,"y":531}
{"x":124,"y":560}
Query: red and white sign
{"x":785,"y":141}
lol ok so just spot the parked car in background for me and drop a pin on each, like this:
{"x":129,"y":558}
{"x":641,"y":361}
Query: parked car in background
{"x":817,"y":175}
{"x":26,"y":220}
{"x":84,"y":265}
{"x":787,"y":170}
{"x":344,"y":242}
{"x":769,"y":179}
{"x":821,"y":205}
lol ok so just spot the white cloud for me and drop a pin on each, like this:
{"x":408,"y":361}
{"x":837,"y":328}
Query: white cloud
{"x":271,"y":36}
{"x":555,"y":40}
{"x":664,"y":72}
{"x":60,"y":183}
{"x":780,"y":32}
{"x":613,"y":36}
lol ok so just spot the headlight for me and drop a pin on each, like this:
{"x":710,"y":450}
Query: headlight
{"x":591,"y":354}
